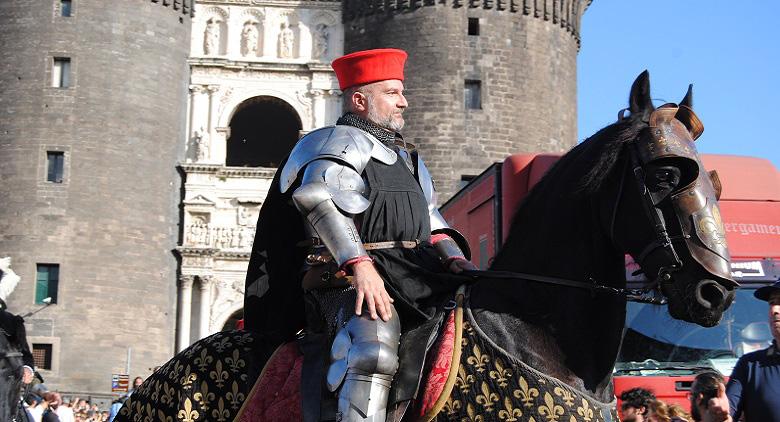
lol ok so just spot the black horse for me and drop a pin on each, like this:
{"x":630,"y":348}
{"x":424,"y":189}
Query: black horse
{"x":533,"y":348}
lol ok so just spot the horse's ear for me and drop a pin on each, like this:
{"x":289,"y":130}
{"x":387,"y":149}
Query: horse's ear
{"x":639,"y":101}
{"x":688,"y":99}
{"x":686,"y":115}
{"x":716,"y":183}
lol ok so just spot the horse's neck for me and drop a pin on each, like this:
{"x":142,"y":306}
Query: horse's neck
{"x":565,"y":332}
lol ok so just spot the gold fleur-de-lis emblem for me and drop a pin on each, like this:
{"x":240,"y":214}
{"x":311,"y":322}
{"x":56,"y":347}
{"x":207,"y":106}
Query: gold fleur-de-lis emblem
{"x":243,"y":339}
{"x":509,"y":412}
{"x":188,"y":414}
{"x":565,"y":395}
{"x":187,"y":380}
{"x":162,"y":417}
{"x":168,"y":394}
{"x":220,"y":413}
{"x":219,"y":375}
{"x":148,"y":413}
{"x":464,"y":380}
{"x":222,"y":344}
{"x":500,"y":374}
{"x":452,"y":406}
{"x":585,"y":411}
{"x":204,"y":397}
{"x":177,"y":368}
{"x":550,"y":410}
{"x":156,"y":393}
{"x":203,"y":360}
{"x":236,"y":398}
{"x":235,"y":362}
{"x":478,"y":359}
{"x":487,"y":398}
{"x":473,"y":416}
{"x":526,"y":394}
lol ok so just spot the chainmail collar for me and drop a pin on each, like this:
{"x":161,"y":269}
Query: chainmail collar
{"x":351,"y":119}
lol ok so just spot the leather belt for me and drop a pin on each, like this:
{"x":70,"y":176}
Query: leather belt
{"x":406,"y":244}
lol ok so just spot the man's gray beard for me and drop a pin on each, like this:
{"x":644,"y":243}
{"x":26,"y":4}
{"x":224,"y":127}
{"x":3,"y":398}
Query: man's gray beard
{"x":385,"y":122}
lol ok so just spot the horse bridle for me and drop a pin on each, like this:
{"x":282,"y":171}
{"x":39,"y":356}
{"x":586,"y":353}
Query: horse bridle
{"x":641,"y":295}
{"x":669,"y":138}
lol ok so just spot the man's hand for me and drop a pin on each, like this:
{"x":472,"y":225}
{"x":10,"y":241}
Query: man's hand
{"x":459,"y":265}
{"x":369,"y":286}
{"x":717,"y":408}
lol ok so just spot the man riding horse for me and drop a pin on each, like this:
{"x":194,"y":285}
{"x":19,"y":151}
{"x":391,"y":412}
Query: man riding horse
{"x":365,"y":251}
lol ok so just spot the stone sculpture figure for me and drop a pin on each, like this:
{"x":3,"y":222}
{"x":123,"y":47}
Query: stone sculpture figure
{"x":321,"y":37}
{"x":201,"y":141}
{"x":286,"y":41}
{"x":211,"y":37}
{"x":249,"y":37}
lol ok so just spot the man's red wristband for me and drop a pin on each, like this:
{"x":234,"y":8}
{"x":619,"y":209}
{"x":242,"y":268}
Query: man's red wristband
{"x":355,"y":260}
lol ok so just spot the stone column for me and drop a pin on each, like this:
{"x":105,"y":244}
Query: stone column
{"x":205,"y":305}
{"x":185,"y":310}
{"x":196,"y":109}
{"x":334,"y":106}
{"x":212,"y":90}
{"x":318,"y":107}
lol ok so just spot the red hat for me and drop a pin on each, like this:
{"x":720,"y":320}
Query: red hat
{"x":362,"y":67}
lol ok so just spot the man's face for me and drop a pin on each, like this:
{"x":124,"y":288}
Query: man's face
{"x":632,"y":414}
{"x":384,"y":104}
{"x":774,"y":315}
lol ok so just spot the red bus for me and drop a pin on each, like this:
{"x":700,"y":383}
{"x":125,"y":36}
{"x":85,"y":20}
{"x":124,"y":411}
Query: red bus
{"x":658,"y":352}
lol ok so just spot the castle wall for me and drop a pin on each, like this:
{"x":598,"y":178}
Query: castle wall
{"x":524,"y":57}
{"x":112,"y":223}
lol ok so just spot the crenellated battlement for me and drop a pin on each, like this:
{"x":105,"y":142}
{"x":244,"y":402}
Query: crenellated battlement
{"x":185,"y":6}
{"x":565,"y":13}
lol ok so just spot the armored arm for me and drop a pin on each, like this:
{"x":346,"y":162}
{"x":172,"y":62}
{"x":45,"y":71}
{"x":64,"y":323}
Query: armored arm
{"x":329,"y":163}
{"x":449,"y":243}
{"x":329,"y":195}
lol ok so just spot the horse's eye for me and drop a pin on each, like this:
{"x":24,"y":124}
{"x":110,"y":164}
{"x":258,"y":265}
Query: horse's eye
{"x":663,"y":179}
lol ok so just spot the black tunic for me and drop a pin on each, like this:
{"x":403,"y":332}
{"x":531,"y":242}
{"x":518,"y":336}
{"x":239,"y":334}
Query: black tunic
{"x":399,"y":211}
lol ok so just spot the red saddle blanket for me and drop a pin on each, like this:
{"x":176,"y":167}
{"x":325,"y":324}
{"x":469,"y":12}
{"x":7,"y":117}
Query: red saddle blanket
{"x":276,"y":394}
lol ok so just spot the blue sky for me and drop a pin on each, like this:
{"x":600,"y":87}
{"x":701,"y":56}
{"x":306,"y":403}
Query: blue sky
{"x":729,"y":51}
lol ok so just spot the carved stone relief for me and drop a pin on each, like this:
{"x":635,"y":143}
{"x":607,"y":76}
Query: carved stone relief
{"x":286,"y":41}
{"x":211,"y":36}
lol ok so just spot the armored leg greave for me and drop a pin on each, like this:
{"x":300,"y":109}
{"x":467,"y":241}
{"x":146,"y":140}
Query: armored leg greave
{"x":364,"y":358}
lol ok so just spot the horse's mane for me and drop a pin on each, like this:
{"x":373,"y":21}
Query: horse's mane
{"x":576,"y":175}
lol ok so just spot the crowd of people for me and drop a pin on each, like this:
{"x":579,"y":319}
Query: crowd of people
{"x":43,"y":405}
{"x":708,"y":403}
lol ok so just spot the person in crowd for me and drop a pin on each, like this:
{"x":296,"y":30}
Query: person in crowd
{"x":708,"y":398}
{"x":35,"y":406}
{"x":52,"y":400}
{"x":665,"y":412}
{"x":65,"y":412}
{"x":753,"y":389}
{"x":636,"y":404}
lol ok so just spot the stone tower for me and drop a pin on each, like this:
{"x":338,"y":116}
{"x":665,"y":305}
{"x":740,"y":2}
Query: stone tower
{"x":93,"y":97}
{"x":484,"y":79}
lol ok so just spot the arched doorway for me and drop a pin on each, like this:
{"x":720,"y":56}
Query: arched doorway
{"x":230,"y":324}
{"x":263,"y":130}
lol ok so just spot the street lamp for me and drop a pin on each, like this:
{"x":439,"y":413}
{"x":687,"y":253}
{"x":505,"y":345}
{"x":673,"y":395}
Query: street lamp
{"x":46,"y":303}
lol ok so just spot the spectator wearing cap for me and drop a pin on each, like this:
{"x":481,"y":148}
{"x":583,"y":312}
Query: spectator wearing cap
{"x":753,"y":389}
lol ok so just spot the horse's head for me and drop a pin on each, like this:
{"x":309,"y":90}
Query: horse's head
{"x":666,"y":214}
